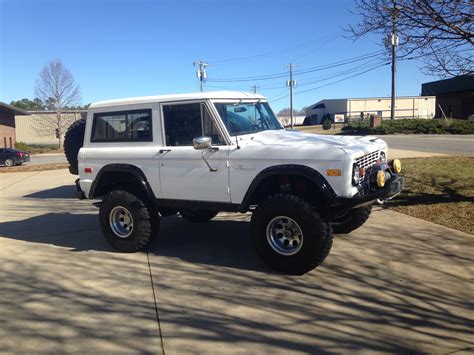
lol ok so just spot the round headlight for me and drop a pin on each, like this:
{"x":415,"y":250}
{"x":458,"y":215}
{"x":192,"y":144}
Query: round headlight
{"x":380,"y":178}
{"x":397,"y":166}
{"x":355,"y":175}
{"x":383,"y":157}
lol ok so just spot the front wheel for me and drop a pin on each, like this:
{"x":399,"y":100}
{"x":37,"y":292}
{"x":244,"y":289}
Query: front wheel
{"x":127,"y":221}
{"x":351,"y":220}
{"x":289,"y":234}
{"x":9,"y":162}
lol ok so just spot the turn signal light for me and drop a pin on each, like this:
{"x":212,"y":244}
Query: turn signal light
{"x":397,"y":166}
{"x":88,"y":170}
{"x":380,"y":178}
{"x":334,"y":172}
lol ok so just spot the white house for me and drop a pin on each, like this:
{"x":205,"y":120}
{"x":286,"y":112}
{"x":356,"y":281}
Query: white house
{"x":357,"y":108}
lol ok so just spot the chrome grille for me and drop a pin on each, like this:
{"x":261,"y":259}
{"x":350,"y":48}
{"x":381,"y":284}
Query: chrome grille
{"x":367,"y":161}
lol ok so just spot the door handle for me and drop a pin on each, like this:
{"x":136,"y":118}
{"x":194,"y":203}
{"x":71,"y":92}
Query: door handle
{"x":161,"y":151}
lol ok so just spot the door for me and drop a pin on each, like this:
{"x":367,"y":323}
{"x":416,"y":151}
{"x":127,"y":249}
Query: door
{"x":184,"y":173}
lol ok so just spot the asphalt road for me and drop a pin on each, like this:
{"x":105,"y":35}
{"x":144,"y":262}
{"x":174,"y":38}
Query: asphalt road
{"x":47,"y":159}
{"x":442,"y":144}
{"x":396,"y":285}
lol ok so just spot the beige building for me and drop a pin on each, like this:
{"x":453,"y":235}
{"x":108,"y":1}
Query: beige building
{"x":40,"y":126}
{"x":357,"y":108}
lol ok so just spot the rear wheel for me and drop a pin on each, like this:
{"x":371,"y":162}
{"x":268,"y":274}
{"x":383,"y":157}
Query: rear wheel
{"x":198,"y":216}
{"x":127,"y":221}
{"x":9,"y":162}
{"x":289,"y":234}
{"x":351,"y":220}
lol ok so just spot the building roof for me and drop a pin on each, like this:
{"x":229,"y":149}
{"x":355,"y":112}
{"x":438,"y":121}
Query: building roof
{"x":13,"y":110}
{"x":378,"y":98}
{"x":456,"y":84}
{"x":179,"y":97}
{"x":46,"y":112}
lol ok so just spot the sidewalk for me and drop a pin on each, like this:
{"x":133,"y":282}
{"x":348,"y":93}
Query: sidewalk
{"x":406,"y":154}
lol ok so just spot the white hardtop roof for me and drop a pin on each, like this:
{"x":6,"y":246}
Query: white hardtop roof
{"x":217,"y":95}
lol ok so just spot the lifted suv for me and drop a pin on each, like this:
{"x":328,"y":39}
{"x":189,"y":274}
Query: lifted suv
{"x":198,"y":154}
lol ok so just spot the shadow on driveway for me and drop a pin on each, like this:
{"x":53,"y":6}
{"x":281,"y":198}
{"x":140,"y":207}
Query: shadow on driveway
{"x":388,"y":287}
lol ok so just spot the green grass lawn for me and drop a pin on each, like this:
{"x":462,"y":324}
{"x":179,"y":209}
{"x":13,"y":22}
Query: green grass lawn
{"x":440,"y":190}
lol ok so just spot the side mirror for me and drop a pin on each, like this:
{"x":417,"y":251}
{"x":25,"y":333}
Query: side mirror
{"x":202,"y":143}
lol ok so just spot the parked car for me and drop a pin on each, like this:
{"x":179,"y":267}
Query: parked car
{"x":202,"y":153}
{"x":10,"y":157}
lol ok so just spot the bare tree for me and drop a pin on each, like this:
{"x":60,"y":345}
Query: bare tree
{"x":56,"y":85}
{"x":438,"y":32}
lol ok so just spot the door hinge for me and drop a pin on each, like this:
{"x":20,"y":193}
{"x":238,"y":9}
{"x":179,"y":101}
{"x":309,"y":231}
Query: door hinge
{"x":228,"y":191}
{"x":227,"y":163}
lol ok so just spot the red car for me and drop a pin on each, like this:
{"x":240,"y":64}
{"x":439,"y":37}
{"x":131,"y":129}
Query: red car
{"x":10,"y":157}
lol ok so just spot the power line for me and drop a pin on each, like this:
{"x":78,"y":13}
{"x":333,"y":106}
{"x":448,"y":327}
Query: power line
{"x":274,"y":53}
{"x":339,"y":73}
{"x":349,"y":77}
{"x":299,"y":72}
{"x":278,"y":99}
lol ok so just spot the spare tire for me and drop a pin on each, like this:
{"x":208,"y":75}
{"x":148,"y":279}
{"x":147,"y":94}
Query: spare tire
{"x":73,"y":141}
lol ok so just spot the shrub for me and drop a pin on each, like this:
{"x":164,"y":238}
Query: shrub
{"x":36,"y":148}
{"x":411,"y":126}
{"x":22,"y":146}
{"x":327,"y":121}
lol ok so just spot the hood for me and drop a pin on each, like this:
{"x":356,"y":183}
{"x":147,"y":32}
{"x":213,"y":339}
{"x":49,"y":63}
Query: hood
{"x":357,"y":145}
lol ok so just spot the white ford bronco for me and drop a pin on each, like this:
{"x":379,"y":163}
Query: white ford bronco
{"x":202,"y":153}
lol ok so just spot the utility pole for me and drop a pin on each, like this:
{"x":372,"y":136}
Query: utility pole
{"x":254,"y":88}
{"x":394,"y":44}
{"x":201,"y":72}
{"x":291,"y":83}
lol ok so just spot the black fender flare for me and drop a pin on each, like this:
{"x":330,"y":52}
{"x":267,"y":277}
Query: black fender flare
{"x":289,"y":169}
{"x":133,"y":170}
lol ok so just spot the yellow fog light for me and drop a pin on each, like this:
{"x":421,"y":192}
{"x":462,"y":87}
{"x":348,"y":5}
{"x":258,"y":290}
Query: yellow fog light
{"x":397,"y":166}
{"x":380,"y":178}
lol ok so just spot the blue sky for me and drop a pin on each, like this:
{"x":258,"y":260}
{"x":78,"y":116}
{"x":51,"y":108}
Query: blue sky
{"x":127,"y":48}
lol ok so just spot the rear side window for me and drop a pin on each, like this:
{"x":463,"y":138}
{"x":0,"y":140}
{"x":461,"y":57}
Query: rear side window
{"x":122,"y":126}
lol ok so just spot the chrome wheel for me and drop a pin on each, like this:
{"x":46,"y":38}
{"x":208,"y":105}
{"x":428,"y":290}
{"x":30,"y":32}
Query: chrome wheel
{"x":284,"y":235}
{"x":121,"y":222}
{"x":8,"y":162}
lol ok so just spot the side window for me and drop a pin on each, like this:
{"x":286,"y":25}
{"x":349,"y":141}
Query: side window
{"x":184,"y":122}
{"x":122,"y":126}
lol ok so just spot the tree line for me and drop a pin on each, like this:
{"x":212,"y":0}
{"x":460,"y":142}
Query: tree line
{"x":38,"y":104}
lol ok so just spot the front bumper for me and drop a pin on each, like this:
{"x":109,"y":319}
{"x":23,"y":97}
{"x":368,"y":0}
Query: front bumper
{"x":369,"y":190}
{"x":369,"y":194}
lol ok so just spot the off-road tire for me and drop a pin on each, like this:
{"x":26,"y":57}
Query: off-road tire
{"x":9,"y":162}
{"x":351,"y":220}
{"x":317,"y":234}
{"x":144,"y":215}
{"x":198,"y":216}
{"x":73,"y":141}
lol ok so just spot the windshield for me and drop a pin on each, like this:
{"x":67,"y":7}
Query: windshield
{"x":244,"y":118}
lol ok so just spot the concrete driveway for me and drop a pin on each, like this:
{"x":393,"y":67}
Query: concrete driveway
{"x":398,"y":284}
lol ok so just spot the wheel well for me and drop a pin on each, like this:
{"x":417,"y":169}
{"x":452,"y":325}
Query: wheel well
{"x":296,"y":184}
{"x":114,"y":180}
